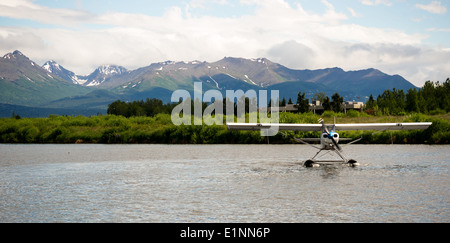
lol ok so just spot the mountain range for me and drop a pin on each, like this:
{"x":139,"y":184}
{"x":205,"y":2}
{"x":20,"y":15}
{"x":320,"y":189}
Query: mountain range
{"x":32,"y":90}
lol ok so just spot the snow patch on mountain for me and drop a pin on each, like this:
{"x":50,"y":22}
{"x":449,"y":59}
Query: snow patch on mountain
{"x":111,"y":69}
{"x":58,"y":70}
{"x":100,"y":75}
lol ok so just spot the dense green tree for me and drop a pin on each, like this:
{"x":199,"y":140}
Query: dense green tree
{"x":302,"y":103}
{"x":433,"y":97}
{"x":149,"y":107}
{"x":412,"y":101}
{"x":283,"y":102}
{"x":321,"y":96}
{"x":392,"y":102}
{"x":336,"y":102}
{"x":326,"y":104}
{"x":371,"y":103}
{"x":399,"y":97}
{"x":442,"y":95}
{"x":428,"y":92}
{"x":118,"y":108}
{"x":422,"y":104}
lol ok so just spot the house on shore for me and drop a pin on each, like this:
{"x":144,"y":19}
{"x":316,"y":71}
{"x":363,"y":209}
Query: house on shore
{"x":316,"y":107}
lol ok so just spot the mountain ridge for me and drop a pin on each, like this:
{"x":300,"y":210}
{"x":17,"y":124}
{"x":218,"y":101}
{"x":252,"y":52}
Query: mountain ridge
{"x":23,"y":82}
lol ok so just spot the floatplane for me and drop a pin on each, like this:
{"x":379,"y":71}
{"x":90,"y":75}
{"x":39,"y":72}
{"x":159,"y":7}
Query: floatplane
{"x":329,"y":139}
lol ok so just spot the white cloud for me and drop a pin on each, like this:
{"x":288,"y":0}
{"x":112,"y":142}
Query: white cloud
{"x":376,"y":2}
{"x":204,"y":3}
{"x":276,"y":30}
{"x":26,"y":9}
{"x":292,"y":54}
{"x":434,"y":7}
{"x":439,"y":29}
{"x":353,"y":12}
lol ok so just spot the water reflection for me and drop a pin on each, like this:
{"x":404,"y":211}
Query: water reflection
{"x":220,"y":183}
{"x":331,"y":171}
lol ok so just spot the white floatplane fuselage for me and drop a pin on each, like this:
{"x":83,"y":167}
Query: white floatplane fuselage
{"x":326,"y":141}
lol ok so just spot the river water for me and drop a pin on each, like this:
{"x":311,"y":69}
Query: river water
{"x":221,"y":183}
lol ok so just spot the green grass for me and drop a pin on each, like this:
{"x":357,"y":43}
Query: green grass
{"x":159,"y":129}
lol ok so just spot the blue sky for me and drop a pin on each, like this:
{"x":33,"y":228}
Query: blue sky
{"x":409,"y":38}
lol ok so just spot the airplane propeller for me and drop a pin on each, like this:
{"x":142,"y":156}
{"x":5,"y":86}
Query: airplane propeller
{"x":329,"y":135}
{"x":334,"y":142}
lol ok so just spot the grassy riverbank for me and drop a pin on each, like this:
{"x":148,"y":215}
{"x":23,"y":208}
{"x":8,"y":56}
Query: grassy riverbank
{"x":159,"y":129}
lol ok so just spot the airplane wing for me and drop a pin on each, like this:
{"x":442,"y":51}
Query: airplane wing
{"x":384,"y":126}
{"x":318,"y":127}
{"x":280,"y":126}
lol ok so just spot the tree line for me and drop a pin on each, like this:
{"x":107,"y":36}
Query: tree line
{"x":149,"y":107}
{"x":433,"y":98}
{"x":152,"y":107}
{"x":335,"y":104}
